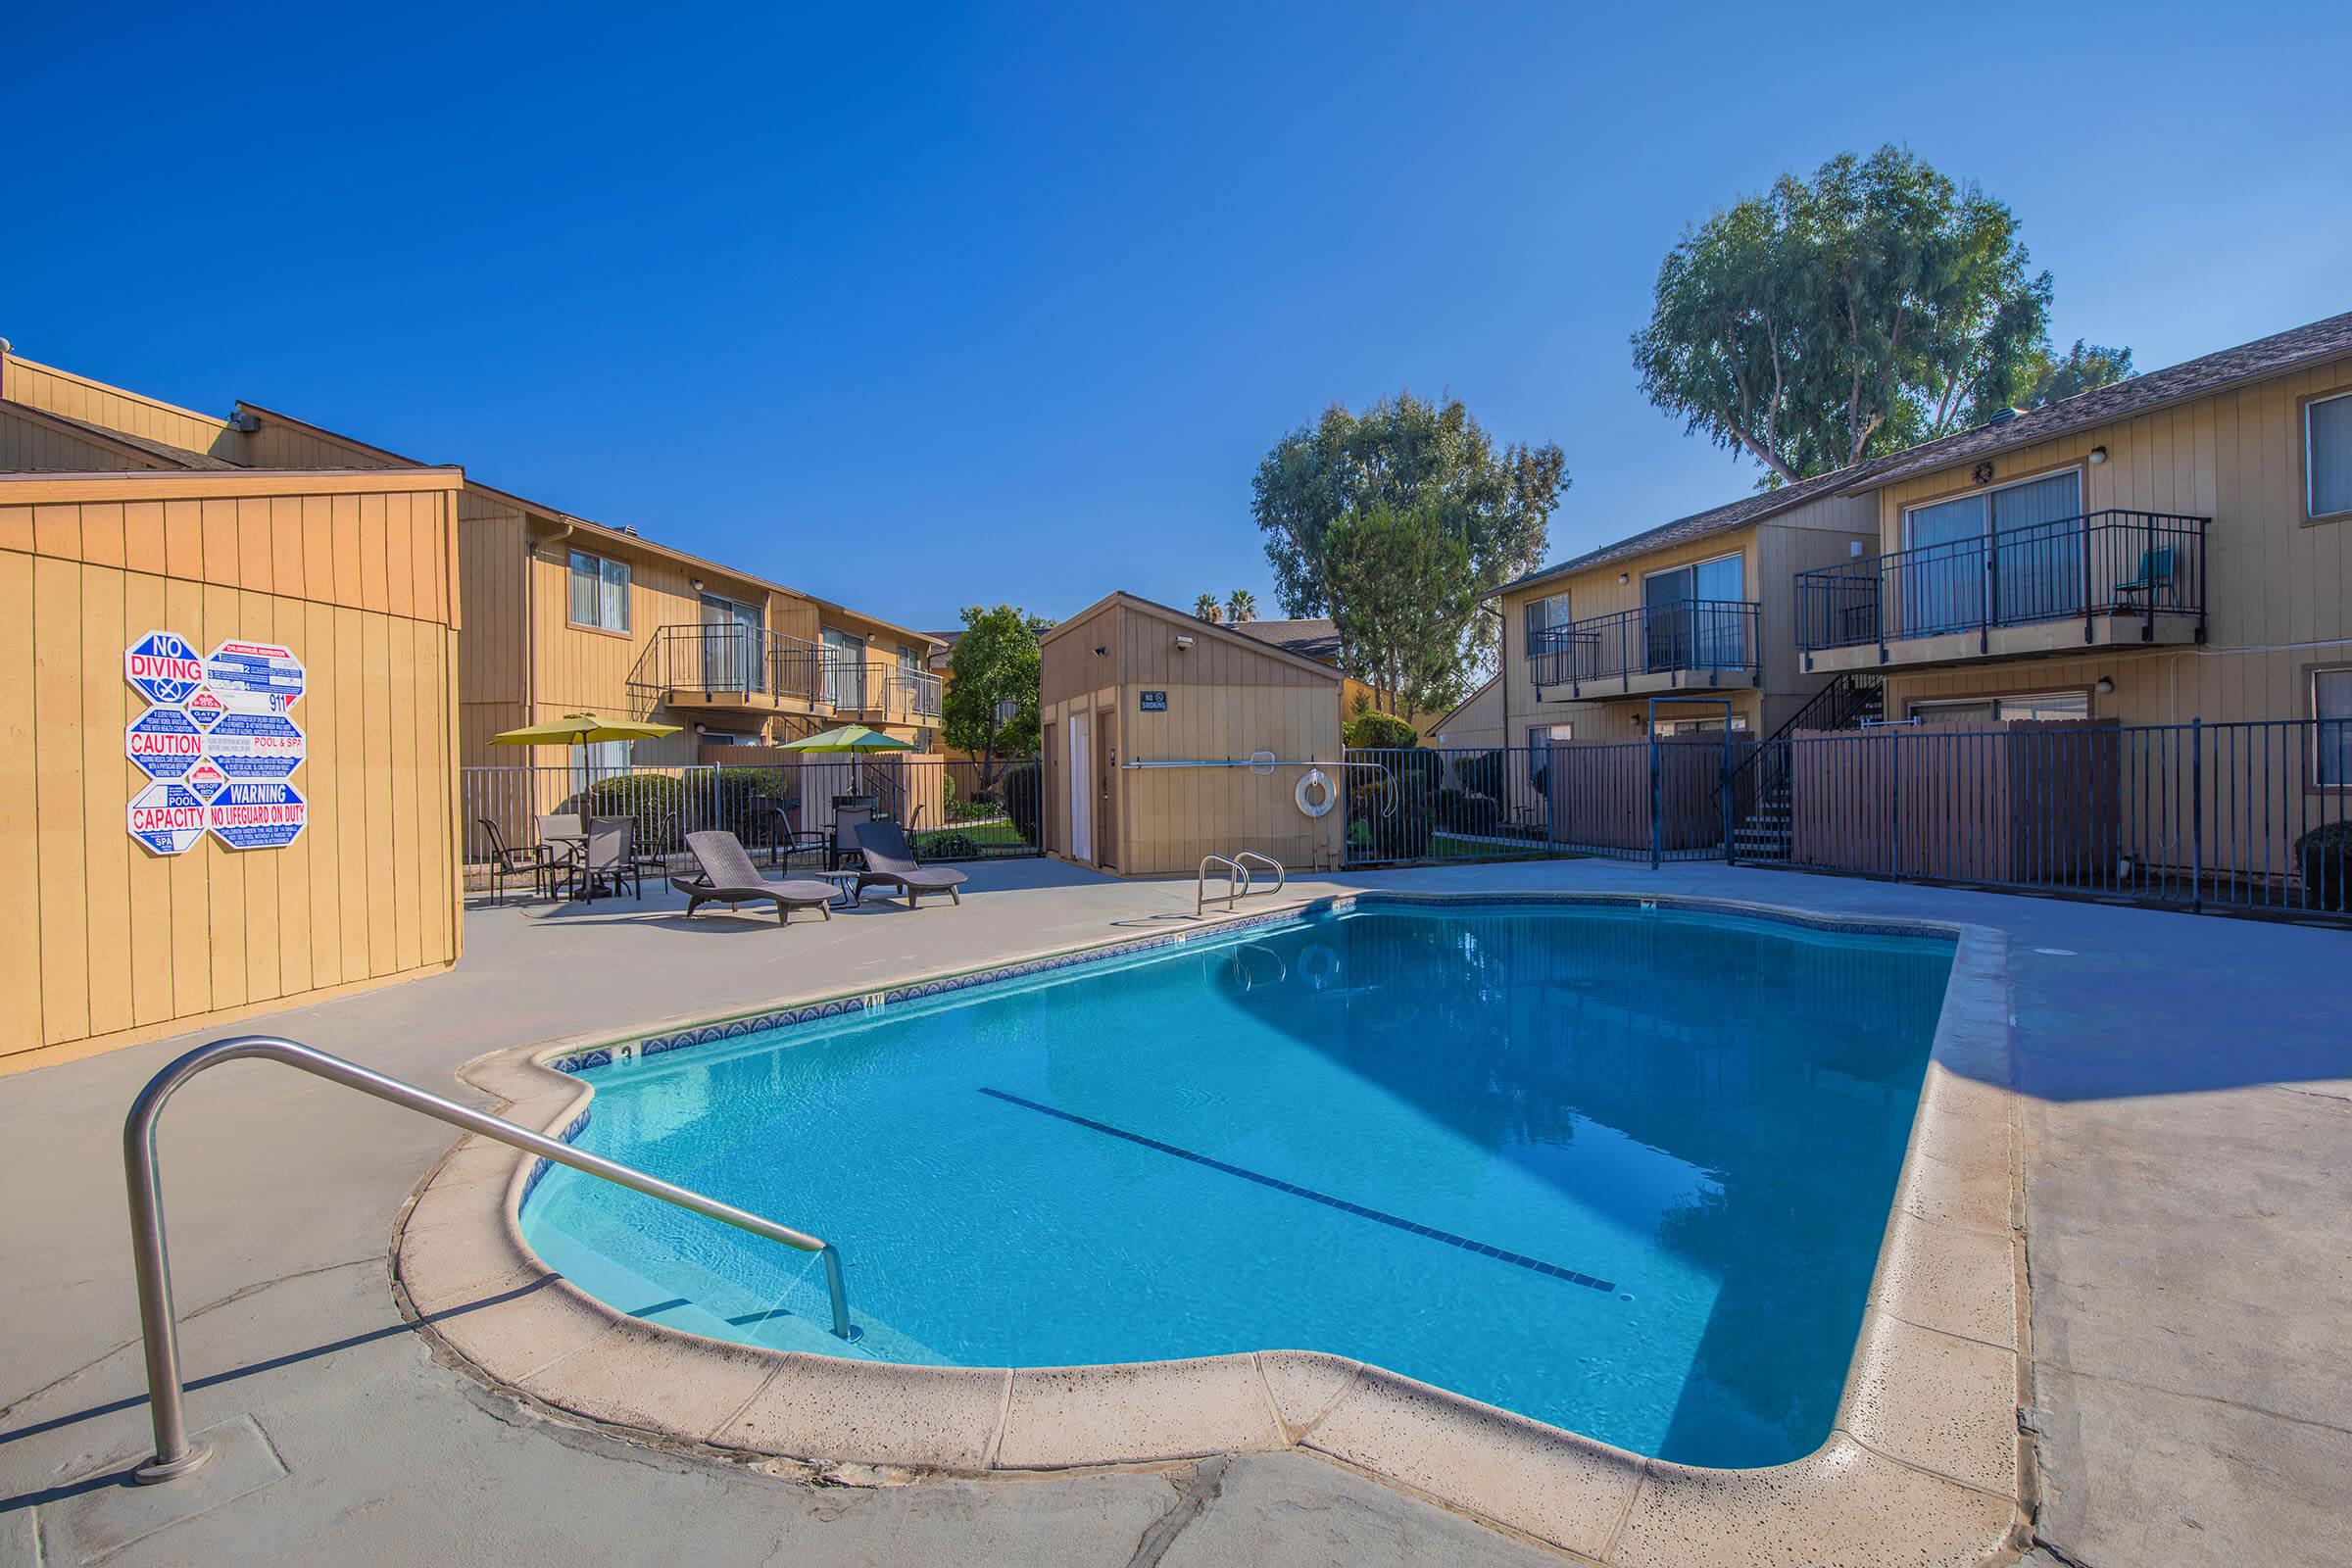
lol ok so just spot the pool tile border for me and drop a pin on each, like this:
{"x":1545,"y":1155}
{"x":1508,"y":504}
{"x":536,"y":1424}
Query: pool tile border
{"x":1925,"y":1462}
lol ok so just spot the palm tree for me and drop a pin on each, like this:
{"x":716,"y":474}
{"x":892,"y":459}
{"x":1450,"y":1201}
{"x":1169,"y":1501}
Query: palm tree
{"x":1208,"y":608}
{"x":1239,"y":606}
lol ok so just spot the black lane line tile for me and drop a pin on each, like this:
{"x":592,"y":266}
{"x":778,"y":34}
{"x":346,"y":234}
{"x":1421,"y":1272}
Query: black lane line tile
{"x":1537,"y":1265}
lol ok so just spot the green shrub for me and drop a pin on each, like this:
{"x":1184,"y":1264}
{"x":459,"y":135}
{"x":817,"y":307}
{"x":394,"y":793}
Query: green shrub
{"x":1371,"y":731}
{"x":1462,"y":812}
{"x":1024,"y":797}
{"x":1390,"y":818}
{"x":1480,"y":773}
{"x":654,"y":804}
{"x":2326,"y":855}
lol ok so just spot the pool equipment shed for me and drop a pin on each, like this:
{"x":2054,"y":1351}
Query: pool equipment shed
{"x":1166,"y":738}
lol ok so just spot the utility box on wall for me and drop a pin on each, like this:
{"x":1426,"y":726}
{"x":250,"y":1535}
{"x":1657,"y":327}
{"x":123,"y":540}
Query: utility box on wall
{"x":1127,"y":681}
{"x":228,"y":745}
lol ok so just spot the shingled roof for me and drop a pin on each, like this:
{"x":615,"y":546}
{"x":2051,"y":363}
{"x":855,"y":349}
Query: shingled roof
{"x":2276,"y":354}
{"x":1317,"y":639}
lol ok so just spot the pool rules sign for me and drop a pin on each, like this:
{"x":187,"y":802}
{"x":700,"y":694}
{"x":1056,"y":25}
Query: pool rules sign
{"x":217,"y":744}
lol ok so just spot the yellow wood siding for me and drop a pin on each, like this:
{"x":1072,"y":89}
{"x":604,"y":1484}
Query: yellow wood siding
{"x":1227,"y":697}
{"x":29,"y":445}
{"x":77,"y":397}
{"x":113,"y":944}
{"x":1818,"y":534}
{"x":2272,"y":581}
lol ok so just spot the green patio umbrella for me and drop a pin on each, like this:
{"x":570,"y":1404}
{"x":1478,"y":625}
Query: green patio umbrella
{"x":847,"y":738}
{"x":579,"y":729}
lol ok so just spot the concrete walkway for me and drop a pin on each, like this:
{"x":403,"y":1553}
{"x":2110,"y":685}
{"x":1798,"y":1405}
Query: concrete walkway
{"x":2189,"y":1191}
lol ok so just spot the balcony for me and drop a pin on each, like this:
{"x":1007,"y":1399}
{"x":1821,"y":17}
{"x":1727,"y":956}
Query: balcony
{"x":1657,"y":647}
{"x":736,"y":668}
{"x":2102,"y":579}
{"x":884,"y":693}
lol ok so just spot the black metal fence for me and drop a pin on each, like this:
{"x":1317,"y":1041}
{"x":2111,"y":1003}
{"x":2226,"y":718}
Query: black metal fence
{"x":2101,"y":563}
{"x":1660,"y":799}
{"x":953,"y":810}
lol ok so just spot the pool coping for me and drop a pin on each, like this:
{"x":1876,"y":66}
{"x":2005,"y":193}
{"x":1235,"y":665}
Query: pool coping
{"x":1924,"y":1455}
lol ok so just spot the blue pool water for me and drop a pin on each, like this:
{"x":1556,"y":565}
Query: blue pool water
{"x":1623,"y":1171}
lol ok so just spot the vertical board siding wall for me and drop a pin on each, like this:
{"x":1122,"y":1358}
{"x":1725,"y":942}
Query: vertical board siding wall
{"x":2275,"y":586}
{"x":356,"y":573}
{"x":1227,"y":697}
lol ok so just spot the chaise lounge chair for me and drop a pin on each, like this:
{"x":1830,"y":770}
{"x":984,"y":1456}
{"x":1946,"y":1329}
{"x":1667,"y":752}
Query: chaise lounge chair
{"x":890,"y":863}
{"x":729,"y":877}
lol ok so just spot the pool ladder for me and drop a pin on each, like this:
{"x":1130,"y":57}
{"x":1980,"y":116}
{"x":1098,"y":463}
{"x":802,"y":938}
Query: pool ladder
{"x":176,"y":1455}
{"x":1237,"y":878}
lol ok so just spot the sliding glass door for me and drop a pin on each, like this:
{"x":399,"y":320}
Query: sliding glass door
{"x":1997,"y":557}
{"x":732,"y":646}
{"x":1693,"y":617}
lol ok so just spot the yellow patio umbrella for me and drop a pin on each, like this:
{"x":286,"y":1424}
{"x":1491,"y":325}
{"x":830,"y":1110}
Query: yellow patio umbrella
{"x":579,"y":729}
{"x":847,"y":738}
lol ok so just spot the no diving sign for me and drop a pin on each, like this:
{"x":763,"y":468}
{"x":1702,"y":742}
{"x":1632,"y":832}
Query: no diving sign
{"x":164,"y":667}
{"x":257,"y":817}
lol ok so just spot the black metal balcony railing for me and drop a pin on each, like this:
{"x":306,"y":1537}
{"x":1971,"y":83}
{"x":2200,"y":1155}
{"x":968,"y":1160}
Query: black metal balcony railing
{"x":1687,"y":636}
{"x":913,"y":691}
{"x":2101,"y":563}
{"x":716,"y":661}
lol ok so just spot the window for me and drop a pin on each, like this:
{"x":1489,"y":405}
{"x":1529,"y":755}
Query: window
{"x":1539,"y":748}
{"x":597,"y":759}
{"x":2331,"y":747}
{"x":1542,"y":615}
{"x":2002,"y":709}
{"x":600,"y":592}
{"x":2038,"y":557}
{"x":2328,"y":456}
{"x":1685,"y":622}
{"x":1702,"y":727}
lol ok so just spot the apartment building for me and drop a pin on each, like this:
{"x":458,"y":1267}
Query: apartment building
{"x":560,"y":614}
{"x":2175,"y":546}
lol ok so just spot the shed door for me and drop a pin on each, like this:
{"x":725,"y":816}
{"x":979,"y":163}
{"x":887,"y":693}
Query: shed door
{"x":1082,"y":788}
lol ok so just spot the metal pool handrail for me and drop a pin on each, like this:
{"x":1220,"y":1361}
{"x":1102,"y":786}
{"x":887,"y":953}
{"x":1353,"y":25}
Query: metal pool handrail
{"x":1237,"y":883}
{"x":175,"y":1454}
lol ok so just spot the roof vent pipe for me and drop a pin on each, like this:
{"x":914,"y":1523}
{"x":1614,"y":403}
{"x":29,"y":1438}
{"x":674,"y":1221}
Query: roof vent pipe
{"x":2002,"y":417}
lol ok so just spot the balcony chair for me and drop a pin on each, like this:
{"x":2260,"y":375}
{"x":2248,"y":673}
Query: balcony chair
{"x":2155,"y":572}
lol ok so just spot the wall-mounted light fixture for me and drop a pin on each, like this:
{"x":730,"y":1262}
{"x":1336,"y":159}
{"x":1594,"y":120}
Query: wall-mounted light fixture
{"x":2106,"y":686}
{"x":1183,"y":643}
{"x":1101,"y":650}
{"x":1623,"y":578}
{"x":1635,"y":719}
{"x":2098,"y":454}
{"x":697,"y":583}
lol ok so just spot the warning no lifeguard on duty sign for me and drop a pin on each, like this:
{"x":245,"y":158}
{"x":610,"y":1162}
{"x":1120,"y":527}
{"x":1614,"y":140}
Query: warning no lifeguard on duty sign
{"x":216,"y":745}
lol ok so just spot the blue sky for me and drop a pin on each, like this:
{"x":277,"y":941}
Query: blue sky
{"x":919,"y":309}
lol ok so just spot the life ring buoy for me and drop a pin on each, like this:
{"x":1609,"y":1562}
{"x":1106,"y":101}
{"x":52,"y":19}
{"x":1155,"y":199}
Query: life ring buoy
{"x":1315,"y":794}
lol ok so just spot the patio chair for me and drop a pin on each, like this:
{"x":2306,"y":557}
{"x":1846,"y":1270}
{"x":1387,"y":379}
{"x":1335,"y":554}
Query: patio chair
{"x":890,"y":862}
{"x":534,"y":860}
{"x":560,"y":841}
{"x":786,"y":837}
{"x":2155,"y":572}
{"x":843,"y":844}
{"x":729,"y":877}
{"x":608,"y":862}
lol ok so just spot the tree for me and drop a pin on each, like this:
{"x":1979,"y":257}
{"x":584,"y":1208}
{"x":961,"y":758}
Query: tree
{"x":1405,"y":454}
{"x":1208,"y":608}
{"x":2085,"y":367}
{"x":1873,"y":307}
{"x":1240,"y":605}
{"x":1404,"y":597}
{"x":990,"y":708}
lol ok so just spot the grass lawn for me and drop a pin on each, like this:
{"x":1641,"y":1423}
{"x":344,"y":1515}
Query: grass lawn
{"x":997,"y":837}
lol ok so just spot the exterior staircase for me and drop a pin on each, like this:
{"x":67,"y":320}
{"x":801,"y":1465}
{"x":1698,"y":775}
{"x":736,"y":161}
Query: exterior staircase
{"x":1767,"y":832}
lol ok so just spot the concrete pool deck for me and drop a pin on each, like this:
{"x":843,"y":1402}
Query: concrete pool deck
{"x":2187,"y":1152}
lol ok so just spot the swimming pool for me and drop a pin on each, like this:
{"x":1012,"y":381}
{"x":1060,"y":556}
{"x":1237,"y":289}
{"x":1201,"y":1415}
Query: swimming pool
{"x":1623,"y":1170}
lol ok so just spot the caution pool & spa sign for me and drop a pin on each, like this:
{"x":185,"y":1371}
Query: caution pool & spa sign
{"x":215,"y":743}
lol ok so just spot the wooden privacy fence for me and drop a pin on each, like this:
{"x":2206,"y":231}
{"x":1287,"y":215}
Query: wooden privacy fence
{"x":2249,"y":816}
